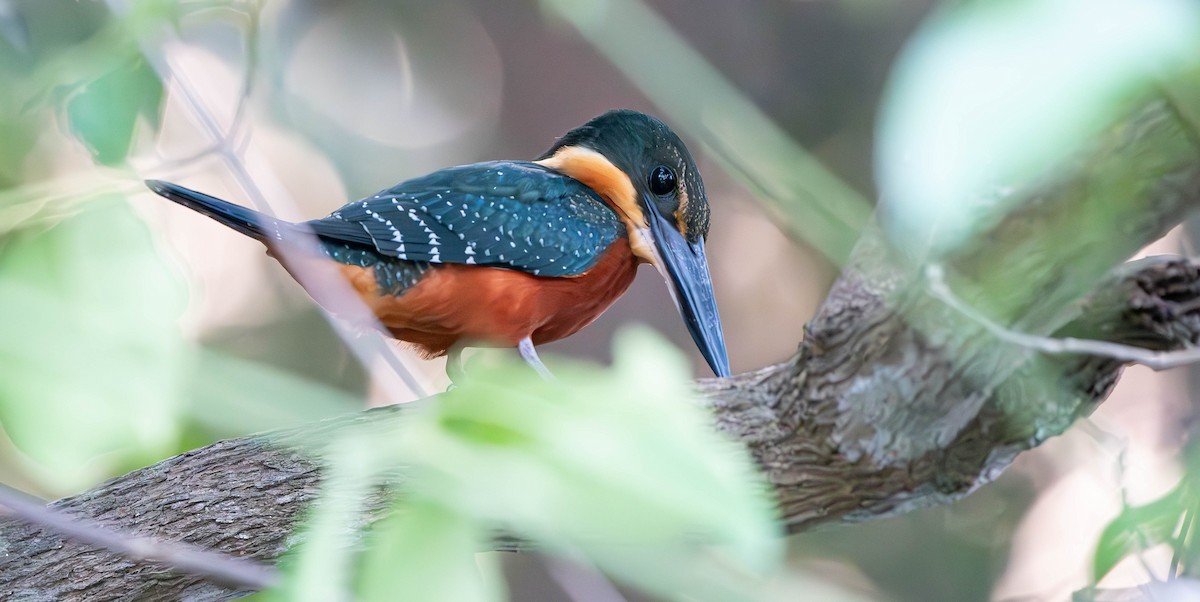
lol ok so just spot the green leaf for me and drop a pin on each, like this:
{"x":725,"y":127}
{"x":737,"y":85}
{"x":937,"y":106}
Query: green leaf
{"x":250,"y":397}
{"x":91,"y":358}
{"x":1138,"y":528}
{"x":17,"y":136}
{"x":423,"y":551}
{"x":319,"y":568}
{"x":104,"y":112}
{"x":995,"y":92}
{"x":622,"y":466}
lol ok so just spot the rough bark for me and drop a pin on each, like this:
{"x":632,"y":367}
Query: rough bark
{"x":893,"y":401}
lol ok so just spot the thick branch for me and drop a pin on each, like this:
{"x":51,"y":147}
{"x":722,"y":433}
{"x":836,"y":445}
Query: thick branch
{"x":1151,"y":303}
{"x":900,"y":401}
{"x":893,"y":401}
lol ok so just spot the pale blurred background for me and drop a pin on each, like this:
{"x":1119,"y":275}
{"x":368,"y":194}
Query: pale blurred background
{"x":321,"y":102}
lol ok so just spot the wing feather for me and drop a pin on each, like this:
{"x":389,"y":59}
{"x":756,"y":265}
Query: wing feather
{"x":503,"y":213}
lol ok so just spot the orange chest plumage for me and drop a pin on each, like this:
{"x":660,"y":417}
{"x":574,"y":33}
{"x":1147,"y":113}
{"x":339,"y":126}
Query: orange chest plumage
{"x":458,"y":304}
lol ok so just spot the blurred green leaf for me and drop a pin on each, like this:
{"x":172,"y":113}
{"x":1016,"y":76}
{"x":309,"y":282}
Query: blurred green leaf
{"x":247,"y":397}
{"x":104,"y":112}
{"x":995,"y":92}
{"x":41,"y":205}
{"x":621,"y":466}
{"x":1184,"y":94}
{"x":144,"y":12}
{"x":91,"y":359}
{"x":436,"y":545}
{"x":319,"y":568}
{"x":1138,"y":528}
{"x":58,"y":48}
{"x":17,"y":137}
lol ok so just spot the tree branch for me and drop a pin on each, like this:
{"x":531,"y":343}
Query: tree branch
{"x":212,"y":566}
{"x":893,"y":401}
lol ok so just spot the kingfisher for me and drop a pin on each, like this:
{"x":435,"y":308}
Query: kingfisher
{"x":515,"y":253}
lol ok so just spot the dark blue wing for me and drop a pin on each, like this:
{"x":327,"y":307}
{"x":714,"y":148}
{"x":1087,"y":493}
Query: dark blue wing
{"x":502,"y":213}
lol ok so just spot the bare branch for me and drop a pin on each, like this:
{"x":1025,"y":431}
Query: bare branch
{"x":218,"y":568}
{"x":1155,"y":360}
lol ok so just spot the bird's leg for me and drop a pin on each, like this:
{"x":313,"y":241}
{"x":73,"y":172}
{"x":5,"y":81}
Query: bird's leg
{"x":531,"y":357}
{"x":454,"y":365}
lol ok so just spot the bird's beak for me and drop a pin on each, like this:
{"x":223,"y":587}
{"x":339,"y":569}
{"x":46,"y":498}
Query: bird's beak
{"x":685,"y":268}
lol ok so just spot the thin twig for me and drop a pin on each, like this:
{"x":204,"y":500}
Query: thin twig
{"x":581,"y":581}
{"x":1155,"y":360}
{"x":1181,"y":542}
{"x":222,"y":569}
{"x":337,"y":291}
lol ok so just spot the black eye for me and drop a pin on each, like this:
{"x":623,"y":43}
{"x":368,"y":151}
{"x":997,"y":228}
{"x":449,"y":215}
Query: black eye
{"x":662,"y":180}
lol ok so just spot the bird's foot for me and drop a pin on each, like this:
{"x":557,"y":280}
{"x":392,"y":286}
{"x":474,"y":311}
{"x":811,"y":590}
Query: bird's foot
{"x":456,"y":370}
{"x":454,"y":367}
{"x":531,"y":357}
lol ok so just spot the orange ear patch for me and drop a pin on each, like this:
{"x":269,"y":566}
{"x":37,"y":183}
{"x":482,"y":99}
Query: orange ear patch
{"x":613,"y":185}
{"x":599,"y":174}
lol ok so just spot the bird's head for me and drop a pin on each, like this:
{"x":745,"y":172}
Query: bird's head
{"x":644,"y":171}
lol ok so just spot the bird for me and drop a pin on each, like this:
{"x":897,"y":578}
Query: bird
{"x":514,"y":253}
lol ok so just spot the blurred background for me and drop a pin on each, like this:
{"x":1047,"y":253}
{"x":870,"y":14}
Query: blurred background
{"x":133,"y":329}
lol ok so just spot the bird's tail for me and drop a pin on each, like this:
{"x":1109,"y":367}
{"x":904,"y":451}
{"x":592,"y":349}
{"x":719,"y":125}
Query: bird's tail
{"x":254,"y":224}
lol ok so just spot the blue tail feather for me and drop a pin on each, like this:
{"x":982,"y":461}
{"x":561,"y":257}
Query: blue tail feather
{"x":254,"y":224}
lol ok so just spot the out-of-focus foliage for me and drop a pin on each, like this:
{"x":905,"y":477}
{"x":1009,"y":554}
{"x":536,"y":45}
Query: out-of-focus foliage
{"x":431,"y":120}
{"x":990,"y":93}
{"x":90,"y":356}
{"x":92,"y":364}
{"x":1169,"y":520}
{"x":95,"y":377}
{"x":220,"y":386}
{"x":813,"y":204}
{"x":442,"y":540}
{"x":84,"y":64}
{"x":104,"y":111}
{"x":1139,"y":528}
{"x":619,"y":466}
{"x":320,"y":567}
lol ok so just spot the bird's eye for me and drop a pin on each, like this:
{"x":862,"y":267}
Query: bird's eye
{"x":662,"y":180}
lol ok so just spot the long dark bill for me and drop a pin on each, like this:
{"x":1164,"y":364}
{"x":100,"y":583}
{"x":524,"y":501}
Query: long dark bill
{"x":686,"y":270}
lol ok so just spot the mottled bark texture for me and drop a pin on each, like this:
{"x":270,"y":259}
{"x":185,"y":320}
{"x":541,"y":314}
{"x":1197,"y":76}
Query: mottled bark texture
{"x":893,"y":401}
